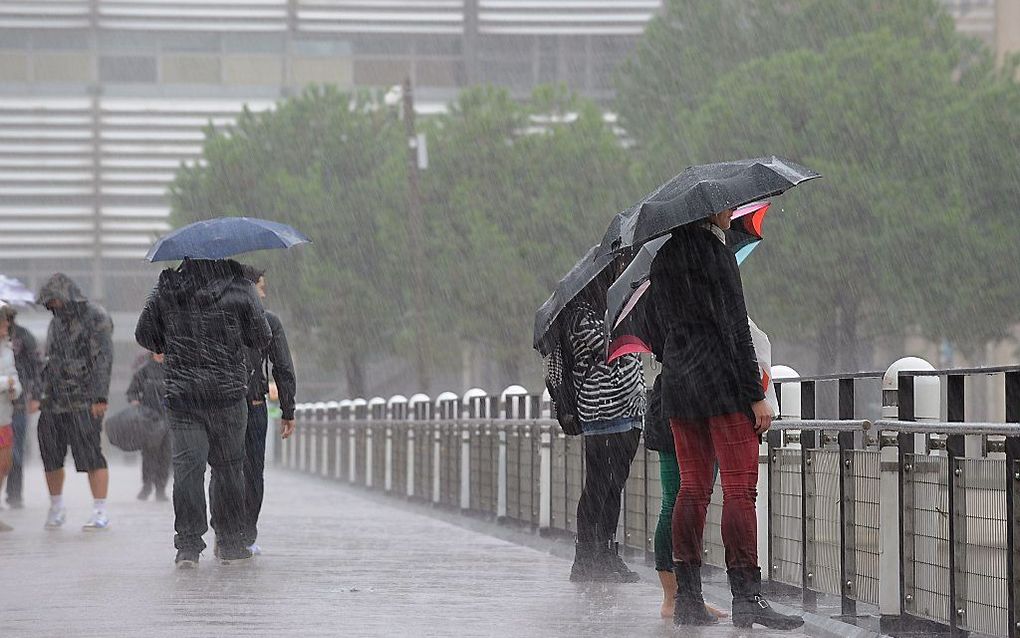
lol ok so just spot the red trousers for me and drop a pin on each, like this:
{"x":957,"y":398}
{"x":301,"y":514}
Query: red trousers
{"x":730,"y":440}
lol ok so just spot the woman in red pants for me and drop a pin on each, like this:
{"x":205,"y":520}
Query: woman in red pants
{"x":712,"y":394}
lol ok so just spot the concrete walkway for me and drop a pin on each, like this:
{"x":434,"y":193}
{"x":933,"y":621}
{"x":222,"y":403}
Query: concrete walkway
{"x":336,"y":563}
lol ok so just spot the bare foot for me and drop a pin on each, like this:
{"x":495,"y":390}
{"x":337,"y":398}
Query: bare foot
{"x":718,"y":613}
{"x":666,"y":611}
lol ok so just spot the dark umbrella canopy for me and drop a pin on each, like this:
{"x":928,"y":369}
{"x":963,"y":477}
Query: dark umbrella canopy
{"x":699,"y":192}
{"x":224,"y":237}
{"x":583,"y":273}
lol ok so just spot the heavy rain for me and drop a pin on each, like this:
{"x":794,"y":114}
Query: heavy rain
{"x":509,"y":317}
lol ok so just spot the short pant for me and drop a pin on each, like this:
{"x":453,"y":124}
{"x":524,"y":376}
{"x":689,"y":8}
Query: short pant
{"x":77,"y":430}
{"x":6,"y":437}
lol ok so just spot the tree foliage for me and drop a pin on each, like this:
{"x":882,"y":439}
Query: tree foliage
{"x":894,"y":108}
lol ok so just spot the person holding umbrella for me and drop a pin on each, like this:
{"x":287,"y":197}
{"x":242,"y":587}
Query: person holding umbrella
{"x":26,"y":360}
{"x":204,"y":316}
{"x":610,"y":408}
{"x":10,"y":390}
{"x":712,"y":394}
{"x":602,"y":401}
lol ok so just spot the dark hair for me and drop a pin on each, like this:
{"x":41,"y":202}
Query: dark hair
{"x":251,"y":273}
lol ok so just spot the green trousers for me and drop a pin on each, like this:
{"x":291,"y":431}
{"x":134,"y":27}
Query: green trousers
{"x":669,"y":477}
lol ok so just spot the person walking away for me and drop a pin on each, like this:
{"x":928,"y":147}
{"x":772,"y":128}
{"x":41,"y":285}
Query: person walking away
{"x":26,"y":359}
{"x":203,"y":316}
{"x":147,"y":387}
{"x":76,"y":382}
{"x":278,"y":354}
{"x":10,"y":390}
{"x":713,"y":395}
{"x":610,"y":406}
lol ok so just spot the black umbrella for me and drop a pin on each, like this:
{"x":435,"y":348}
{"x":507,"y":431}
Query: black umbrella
{"x":699,"y":192}
{"x":583,"y":273}
{"x":627,"y":328}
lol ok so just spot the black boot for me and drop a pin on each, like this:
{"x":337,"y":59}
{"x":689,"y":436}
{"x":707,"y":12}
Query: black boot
{"x":615,"y":569}
{"x":583,"y":569}
{"x":749,"y":607}
{"x":689,"y":604}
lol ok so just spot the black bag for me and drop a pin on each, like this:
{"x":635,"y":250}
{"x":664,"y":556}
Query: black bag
{"x":136,"y":427}
{"x":559,"y":380}
{"x":562,"y":395}
{"x":658,"y":435}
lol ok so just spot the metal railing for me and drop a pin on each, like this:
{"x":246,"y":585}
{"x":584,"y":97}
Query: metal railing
{"x":911,"y":518}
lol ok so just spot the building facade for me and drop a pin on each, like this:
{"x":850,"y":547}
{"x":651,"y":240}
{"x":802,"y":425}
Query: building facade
{"x":101,"y":100}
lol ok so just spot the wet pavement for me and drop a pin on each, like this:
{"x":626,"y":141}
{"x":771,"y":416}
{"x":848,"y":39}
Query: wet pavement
{"x":337,"y":563}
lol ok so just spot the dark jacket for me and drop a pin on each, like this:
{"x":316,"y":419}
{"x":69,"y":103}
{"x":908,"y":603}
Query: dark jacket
{"x":283,"y":369}
{"x":148,"y":386}
{"x":203,"y":316}
{"x":658,"y":434}
{"x":79,"y":349}
{"x":708,"y":362}
{"x":26,"y":360}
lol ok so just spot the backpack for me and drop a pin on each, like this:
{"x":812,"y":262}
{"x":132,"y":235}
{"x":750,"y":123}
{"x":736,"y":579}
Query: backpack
{"x":559,"y":380}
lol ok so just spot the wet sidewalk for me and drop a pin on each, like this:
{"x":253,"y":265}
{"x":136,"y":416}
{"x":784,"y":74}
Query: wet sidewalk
{"x":337,"y":563}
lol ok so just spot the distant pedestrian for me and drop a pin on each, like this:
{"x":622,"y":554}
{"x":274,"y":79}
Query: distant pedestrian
{"x":147,"y":388}
{"x":10,"y":390}
{"x":76,"y":382}
{"x":713,"y":395}
{"x":610,"y":406}
{"x":203,"y":316}
{"x":278,"y":354}
{"x":26,"y":359}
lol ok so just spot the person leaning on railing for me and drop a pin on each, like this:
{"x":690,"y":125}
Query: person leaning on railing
{"x":712,"y":394}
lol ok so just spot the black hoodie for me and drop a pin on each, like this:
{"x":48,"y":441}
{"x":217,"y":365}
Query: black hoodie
{"x":202,"y":316}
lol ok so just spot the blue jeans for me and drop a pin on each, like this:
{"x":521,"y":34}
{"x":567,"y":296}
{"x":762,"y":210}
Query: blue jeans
{"x":15,"y":478}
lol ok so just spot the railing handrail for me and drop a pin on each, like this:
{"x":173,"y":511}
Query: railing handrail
{"x":947,"y":372}
{"x":836,"y":376}
{"x":948,"y":427}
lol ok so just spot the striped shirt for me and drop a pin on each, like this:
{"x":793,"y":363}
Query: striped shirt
{"x":605,"y":391}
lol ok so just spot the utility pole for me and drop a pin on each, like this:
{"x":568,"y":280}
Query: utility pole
{"x":416,"y":224}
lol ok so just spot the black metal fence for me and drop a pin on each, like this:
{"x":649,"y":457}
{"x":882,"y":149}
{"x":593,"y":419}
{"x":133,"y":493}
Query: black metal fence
{"x":910,"y":515}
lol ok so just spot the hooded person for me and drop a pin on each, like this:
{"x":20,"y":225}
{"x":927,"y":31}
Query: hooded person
{"x":75,"y":386}
{"x":203,"y":317}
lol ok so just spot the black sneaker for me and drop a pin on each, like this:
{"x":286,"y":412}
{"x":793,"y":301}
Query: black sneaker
{"x":144,"y":494}
{"x":231,"y":555}
{"x":16,"y":504}
{"x":186,"y":559}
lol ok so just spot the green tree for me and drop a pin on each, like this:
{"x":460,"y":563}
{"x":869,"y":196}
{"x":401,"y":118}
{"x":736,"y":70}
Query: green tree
{"x":514,"y":194}
{"x":873,"y":95}
{"x":332,"y":165}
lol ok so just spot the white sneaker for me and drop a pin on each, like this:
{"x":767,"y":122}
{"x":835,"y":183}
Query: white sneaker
{"x":56,"y":517}
{"x":98,"y":522}
{"x":255,"y":550}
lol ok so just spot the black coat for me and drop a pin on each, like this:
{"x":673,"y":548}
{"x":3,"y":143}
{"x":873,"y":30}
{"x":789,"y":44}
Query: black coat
{"x":278,"y":354}
{"x":203,"y":317}
{"x":708,"y":363}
